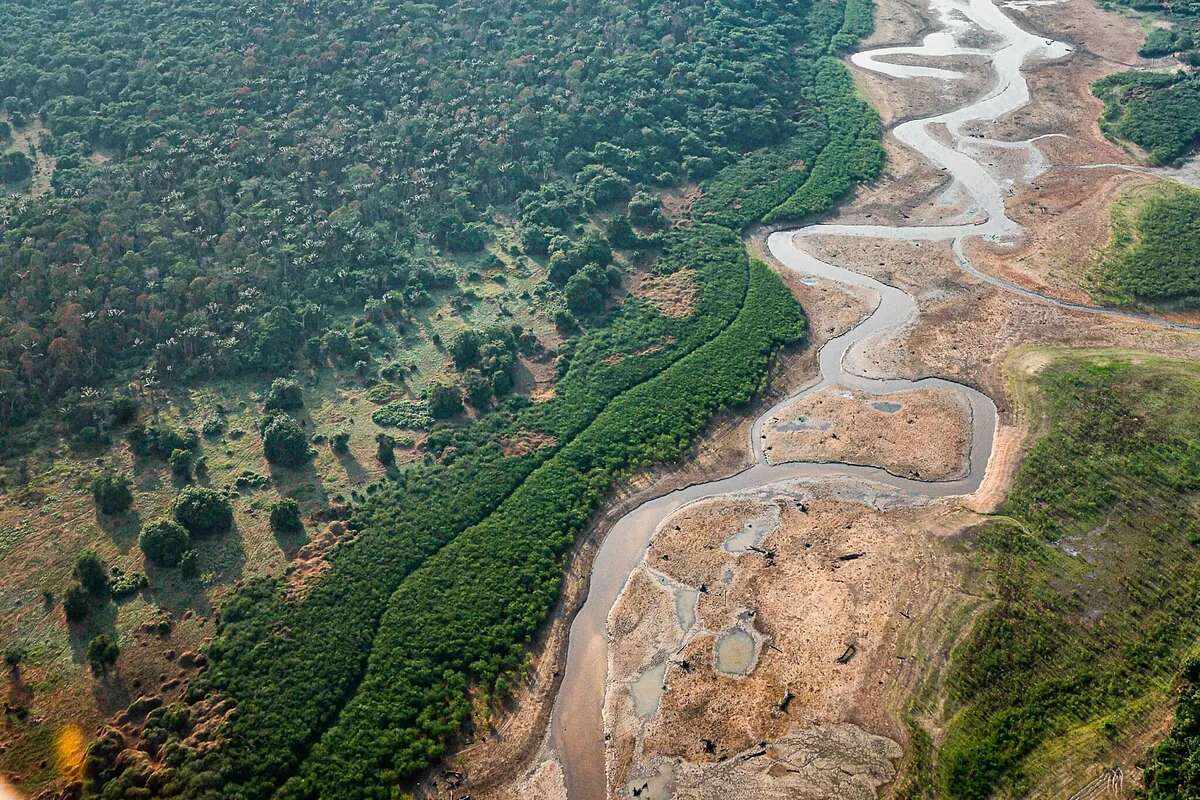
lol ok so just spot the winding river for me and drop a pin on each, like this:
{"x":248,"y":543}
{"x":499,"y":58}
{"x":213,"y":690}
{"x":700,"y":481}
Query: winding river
{"x":576,"y":727}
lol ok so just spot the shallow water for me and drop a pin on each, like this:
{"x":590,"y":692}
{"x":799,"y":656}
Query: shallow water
{"x":734,"y":652}
{"x":886,"y":406}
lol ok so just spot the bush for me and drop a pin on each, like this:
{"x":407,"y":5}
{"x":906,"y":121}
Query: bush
{"x":91,"y":572}
{"x":77,"y":604}
{"x":285,"y":443}
{"x":203,"y":511}
{"x":111,"y":492}
{"x":164,"y":541}
{"x":284,"y":395}
{"x":445,"y":400}
{"x":102,"y":653}
{"x":385,"y":449}
{"x":285,"y":516}
{"x":181,"y":463}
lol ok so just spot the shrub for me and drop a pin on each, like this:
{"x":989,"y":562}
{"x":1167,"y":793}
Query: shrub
{"x":203,"y":511}
{"x":284,"y":395}
{"x":111,"y":492}
{"x":102,"y":653}
{"x":340,"y":442}
{"x":77,"y":604}
{"x":91,"y":572}
{"x":181,"y":463}
{"x":445,"y":400}
{"x":385,"y":449}
{"x":164,"y":541}
{"x":285,"y":516}
{"x":285,"y":443}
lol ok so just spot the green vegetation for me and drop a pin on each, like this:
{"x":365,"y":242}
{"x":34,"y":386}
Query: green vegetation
{"x":164,"y":541}
{"x":203,"y":511}
{"x":1154,"y":255}
{"x":111,"y":492}
{"x":1095,"y":570}
{"x":102,"y":653}
{"x":285,"y":516}
{"x":1174,"y":769}
{"x":91,"y":572}
{"x":284,"y":442}
{"x":294,"y":190}
{"x":1157,"y":111}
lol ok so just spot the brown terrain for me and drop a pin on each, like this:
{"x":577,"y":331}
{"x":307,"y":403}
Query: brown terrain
{"x":770,"y":643}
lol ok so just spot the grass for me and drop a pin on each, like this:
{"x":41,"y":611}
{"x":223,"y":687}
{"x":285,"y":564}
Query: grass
{"x":1095,"y":575}
{"x":1153,"y":257}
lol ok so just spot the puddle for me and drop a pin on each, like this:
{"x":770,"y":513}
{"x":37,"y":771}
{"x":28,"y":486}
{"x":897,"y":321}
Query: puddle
{"x":886,"y":406}
{"x":685,"y":607}
{"x":735,"y":652}
{"x":750,"y":534}
{"x":653,"y":787}
{"x":804,"y":424}
{"x":647,"y":691}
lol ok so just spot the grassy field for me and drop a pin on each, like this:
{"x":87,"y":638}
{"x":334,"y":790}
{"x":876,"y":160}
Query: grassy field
{"x":1093,"y":568}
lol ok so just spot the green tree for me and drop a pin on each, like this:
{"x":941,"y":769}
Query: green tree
{"x":203,"y":511}
{"x":102,"y":653}
{"x":465,"y":349}
{"x":91,"y":572}
{"x":385,"y":449}
{"x":445,"y":400}
{"x":285,"y":516}
{"x":285,"y":443}
{"x":284,"y":395}
{"x":112,"y":493}
{"x":180,"y":462}
{"x":164,"y":541}
{"x":77,"y":604}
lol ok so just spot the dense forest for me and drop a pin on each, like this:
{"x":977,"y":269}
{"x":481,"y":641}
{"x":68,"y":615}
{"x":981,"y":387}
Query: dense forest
{"x":228,"y":176}
{"x":1157,"y":111}
{"x":248,"y":188}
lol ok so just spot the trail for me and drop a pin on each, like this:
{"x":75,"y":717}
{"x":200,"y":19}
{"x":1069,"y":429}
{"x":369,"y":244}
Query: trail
{"x":576,"y":727}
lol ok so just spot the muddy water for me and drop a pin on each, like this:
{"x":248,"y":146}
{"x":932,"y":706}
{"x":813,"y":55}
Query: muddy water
{"x":577,"y":728}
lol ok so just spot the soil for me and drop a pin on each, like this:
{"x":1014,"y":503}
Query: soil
{"x":923,"y":434}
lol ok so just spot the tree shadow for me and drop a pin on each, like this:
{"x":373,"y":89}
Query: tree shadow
{"x":221,"y":561}
{"x":122,"y":529}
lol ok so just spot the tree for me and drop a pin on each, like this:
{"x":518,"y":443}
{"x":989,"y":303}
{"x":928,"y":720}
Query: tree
{"x":284,"y":395}
{"x":180,"y":462}
{"x":645,"y":210}
{"x":340,"y":442}
{"x":385,"y":449}
{"x":91,"y":572}
{"x":445,"y":400}
{"x":465,"y":349}
{"x":479,"y":388}
{"x":285,"y":443}
{"x":112,"y":493}
{"x":102,"y":653}
{"x":164,"y":541}
{"x":285,"y":516}
{"x":203,"y":511}
{"x":77,"y":604}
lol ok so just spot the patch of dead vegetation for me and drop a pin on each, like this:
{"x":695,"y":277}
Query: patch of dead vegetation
{"x":661,"y":344}
{"x":922,"y":434}
{"x":311,"y":559}
{"x":674,"y":295}
{"x":526,"y":442}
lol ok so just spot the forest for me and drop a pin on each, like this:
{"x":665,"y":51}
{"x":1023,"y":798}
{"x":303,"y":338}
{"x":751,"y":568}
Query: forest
{"x":249,"y":188}
{"x":1157,"y":111}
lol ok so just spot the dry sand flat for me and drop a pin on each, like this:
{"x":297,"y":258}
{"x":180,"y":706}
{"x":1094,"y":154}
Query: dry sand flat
{"x":922,"y":433}
{"x":825,"y":582}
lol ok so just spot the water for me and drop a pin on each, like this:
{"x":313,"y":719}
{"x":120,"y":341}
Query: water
{"x":735,"y":653}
